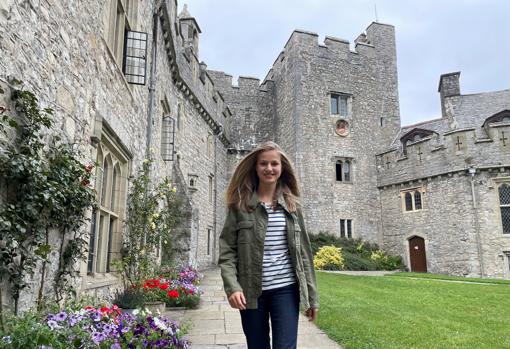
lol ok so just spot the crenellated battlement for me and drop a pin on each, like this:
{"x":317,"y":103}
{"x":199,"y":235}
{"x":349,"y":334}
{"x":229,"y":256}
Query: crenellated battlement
{"x":439,"y":154}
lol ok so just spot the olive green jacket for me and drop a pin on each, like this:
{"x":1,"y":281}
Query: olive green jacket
{"x":242,"y":250}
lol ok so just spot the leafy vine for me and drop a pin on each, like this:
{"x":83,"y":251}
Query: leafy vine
{"x":46,"y":188}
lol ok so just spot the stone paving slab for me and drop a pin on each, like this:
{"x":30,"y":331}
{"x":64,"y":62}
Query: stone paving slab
{"x":215,"y":325}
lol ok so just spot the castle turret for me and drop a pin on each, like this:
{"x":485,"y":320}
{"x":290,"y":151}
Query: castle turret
{"x":189,"y":30}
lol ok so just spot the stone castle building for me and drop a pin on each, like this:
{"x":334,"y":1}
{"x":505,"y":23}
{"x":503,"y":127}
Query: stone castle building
{"x":125,"y":76}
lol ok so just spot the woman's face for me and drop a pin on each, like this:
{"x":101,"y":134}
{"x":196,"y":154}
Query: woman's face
{"x":269,"y":167}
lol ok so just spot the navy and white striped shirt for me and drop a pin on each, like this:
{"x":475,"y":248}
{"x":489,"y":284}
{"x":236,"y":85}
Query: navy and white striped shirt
{"x":277,"y":269}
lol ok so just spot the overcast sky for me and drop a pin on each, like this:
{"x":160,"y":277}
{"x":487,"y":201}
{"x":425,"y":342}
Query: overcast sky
{"x":244,"y":37}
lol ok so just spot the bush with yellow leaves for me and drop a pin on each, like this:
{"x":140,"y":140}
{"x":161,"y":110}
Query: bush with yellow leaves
{"x":328,"y":258}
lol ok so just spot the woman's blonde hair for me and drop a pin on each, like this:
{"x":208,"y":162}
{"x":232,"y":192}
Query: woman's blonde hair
{"x":244,"y":181}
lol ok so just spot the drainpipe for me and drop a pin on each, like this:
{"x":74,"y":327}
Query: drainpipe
{"x":215,"y":202}
{"x":472,"y":172}
{"x":152,"y":88}
{"x":152,"y":81}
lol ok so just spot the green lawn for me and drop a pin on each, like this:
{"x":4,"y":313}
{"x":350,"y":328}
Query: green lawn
{"x":400,"y":312}
{"x":448,"y":277}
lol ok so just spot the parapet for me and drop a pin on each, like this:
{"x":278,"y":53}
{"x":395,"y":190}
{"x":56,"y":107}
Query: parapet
{"x":451,"y":152}
{"x":248,"y":82}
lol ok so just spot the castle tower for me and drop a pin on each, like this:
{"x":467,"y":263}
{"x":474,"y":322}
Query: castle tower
{"x":335,"y":110}
{"x":189,"y":30}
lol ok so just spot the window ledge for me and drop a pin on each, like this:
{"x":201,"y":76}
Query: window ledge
{"x":413,"y":211}
{"x":99,"y":280}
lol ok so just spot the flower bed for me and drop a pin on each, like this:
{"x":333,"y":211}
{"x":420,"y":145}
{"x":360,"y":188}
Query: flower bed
{"x":93,"y":328}
{"x":175,"y":289}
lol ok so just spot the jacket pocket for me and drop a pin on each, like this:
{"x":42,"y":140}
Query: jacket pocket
{"x":244,"y":232}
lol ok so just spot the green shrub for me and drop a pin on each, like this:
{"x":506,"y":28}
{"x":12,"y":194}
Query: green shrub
{"x":357,"y":262}
{"x":357,"y":254}
{"x":328,"y":258}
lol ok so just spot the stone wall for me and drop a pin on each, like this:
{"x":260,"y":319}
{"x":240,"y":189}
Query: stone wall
{"x":459,"y":238}
{"x":60,"y":52}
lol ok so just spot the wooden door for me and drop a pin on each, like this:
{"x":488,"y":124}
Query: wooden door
{"x":417,"y":254}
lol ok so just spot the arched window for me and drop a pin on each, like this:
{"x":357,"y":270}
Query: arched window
{"x":105,"y":239}
{"x":417,"y":200}
{"x":412,"y":200}
{"x":115,"y":188}
{"x":105,"y":183}
{"x":339,"y":170}
{"x":504,"y":205}
{"x":409,"y":201}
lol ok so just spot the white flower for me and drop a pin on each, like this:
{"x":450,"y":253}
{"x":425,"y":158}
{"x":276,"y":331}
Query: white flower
{"x":146,"y":161}
{"x":174,"y":189}
{"x":153,"y":226}
{"x":155,"y":215}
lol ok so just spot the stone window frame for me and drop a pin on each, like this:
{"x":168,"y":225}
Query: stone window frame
{"x":408,"y":198}
{"x":122,"y":16}
{"x":337,"y":97}
{"x":502,"y":206}
{"x":105,"y":239}
{"x":346,"y":228}
{"x":192,"y":182}
{"x":340,"y":173}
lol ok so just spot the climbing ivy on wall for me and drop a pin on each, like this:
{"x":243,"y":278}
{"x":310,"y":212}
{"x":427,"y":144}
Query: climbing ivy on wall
{"x":45,"y":188}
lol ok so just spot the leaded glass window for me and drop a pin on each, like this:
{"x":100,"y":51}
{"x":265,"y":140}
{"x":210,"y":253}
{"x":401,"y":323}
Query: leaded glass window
{"x":409,"y":201}
{"x":412,"y":200}
{"x":504,"y":202}
{"x":417,"y":200}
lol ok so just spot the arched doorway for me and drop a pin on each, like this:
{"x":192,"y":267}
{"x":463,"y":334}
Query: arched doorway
{"x":417,"y":254}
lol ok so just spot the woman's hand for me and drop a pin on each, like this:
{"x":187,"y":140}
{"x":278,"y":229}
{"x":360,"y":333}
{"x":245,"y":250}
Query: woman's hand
{"x":237,"y":300}
{"x":311,"y":313}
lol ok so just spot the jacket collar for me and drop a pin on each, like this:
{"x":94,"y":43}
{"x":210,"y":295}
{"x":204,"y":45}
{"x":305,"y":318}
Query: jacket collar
{"x":255,"y":201}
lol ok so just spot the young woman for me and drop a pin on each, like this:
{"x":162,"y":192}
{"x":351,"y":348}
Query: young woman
{"x":265,"y":255}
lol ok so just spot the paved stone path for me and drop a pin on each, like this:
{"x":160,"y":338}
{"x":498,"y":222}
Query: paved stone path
{"x":215,"y":325}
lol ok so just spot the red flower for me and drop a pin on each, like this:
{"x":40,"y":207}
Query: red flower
{"x":105,"y":310}
{"x":89,"y":168}
{"x":89,"y":307}
{"x":173,"y":294}
{"x":85,"y":182}
{"x":152,"y":283}
{"x":164,"y":286}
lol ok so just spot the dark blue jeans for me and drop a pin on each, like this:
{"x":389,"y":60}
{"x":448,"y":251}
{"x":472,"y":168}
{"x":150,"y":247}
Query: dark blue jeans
{"x":282,"y":306}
